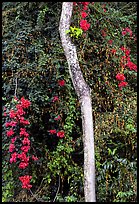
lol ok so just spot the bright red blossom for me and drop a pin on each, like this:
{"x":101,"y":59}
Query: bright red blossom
{"x":25,"y":181}
{"x":26,"y":141}
{"x":61,"y":82}
{"x":10,"y":132}
{"x":84,"y":25}
{"x":23,"y":132}
{"x":55,"y":98}
{"x":61,"y":134}
{"x":83,"y":14}
{"x":25,"y":148}
{"x":12,"y":124}
{"x":11,"y":147}
{"x":122,"y":84}
{"x":120,"y":77}
{"x":25,"y":103}
{"x":23,"y":165}
{"x":13,"y":157}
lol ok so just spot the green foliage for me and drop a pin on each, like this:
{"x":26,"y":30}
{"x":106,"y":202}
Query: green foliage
{"x":74,"y":32}
{"x":33,"y":56}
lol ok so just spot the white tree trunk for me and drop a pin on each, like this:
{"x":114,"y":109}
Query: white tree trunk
{"x":83,"y":92}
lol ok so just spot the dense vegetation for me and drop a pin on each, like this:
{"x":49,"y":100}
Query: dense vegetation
{"x":33,"y":64}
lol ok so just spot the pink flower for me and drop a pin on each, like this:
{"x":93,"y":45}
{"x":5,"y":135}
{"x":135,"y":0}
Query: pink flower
{"x":26,"y":141}
{"x":11,"y":147}
{"x":120,"y":77}
{"x":34,"y":158}
{"x":122,"y":84}
{"x":12,"y":114}
{"x":131,"y":66}
{"x":61,"y":134}
{"x":123,"y":33}
{"x":84,"y":25}
{"x":10,"y":132}
{"x":23,"y":121}
{"x":12,"y":123}
{"x":13,"y":157}
{"x":55,"y":98}
{"x":20,"y":110}
{"x":83,"y":14}
{"x":23,"y":157}
{"x":23,"y":165}
{"x":25,"y":103}
{"x":52,"y":132}
{"x":13,"y":139}
{"x":25,"y":148}
{"x":23,"y":132}
{"x":25,"y":181}
{"x":57,"y":118}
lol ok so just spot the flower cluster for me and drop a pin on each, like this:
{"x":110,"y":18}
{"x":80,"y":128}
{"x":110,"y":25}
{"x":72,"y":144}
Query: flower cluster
{"x":121,"y":78}
{"x":84,"y":25}
{"x":18,"y":122}
{"x":127,"y":30}
{"x":59,"y":134}
{"x":125,"y":60}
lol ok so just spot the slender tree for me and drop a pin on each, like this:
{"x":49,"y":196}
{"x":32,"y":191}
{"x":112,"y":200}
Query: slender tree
{"x":84,"y":96}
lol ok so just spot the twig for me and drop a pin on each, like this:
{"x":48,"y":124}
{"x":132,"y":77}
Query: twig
{"x":35,"y":197}
{"x":57,"y":190}
{"x":15,"y":86}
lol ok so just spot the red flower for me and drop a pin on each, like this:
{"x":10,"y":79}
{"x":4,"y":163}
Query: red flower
{"x":23,"y":165}
{"x":52,"y":131}
{"x":61,"y":134}
{"x":113,"y":51}
{"x":25,"y":148}
{"x":128,"y":30}
{"x":127,"y":52}
{"x":26,"y":141}
{"x":25,"y":181}
{"x":83,"y":14}
{"x":120,"y":77}
{"x":57,"y":118}
{"x":61,"y":82}
{"x":25,"y":103}
{"x":20,"y":110}
{"x":34,"y":158}
{"x":10,"y":132}
{"x":24,"y":122}
{"x":12,"y":123}
{"x":55,"y":98}
{"x":11,"y":147}
{"x":131,"y":66}
{"x":23,"y":157}
{"x":12,"y":114}
{"x":84,"y":25}
{"x":13,"y":158}
{"x":123,"y":33}
{"x":13,"y":139}
{"x":122,"y":84}
{"x":23,"y":132}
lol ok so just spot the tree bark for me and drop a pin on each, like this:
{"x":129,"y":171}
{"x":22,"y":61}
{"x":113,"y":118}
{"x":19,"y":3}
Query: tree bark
{"x":84,"y":96}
